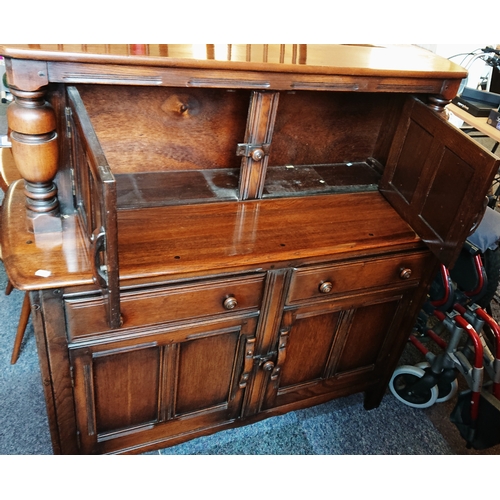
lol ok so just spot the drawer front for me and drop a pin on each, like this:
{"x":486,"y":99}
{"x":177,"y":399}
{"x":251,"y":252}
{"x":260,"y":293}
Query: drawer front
{"x":325,"y":281}
{"x":174,"y":303}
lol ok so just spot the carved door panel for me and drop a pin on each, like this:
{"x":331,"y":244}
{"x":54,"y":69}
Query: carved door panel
{"x":436,"y":178}
{"x":334,"y":347}
{"x":161,"y":386}
{"x":95,"y":201}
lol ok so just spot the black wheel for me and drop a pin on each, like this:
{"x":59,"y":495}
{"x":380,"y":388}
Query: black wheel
{"x":400,"y":385}
{"x":446,"y":389}
{"x":491,"y":263}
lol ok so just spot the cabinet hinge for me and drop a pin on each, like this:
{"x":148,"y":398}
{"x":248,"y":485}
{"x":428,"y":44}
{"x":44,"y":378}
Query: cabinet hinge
{"x":71,"y":374}
{"x":248,"y":362}
{"x":67,"y":113}
{"x":282,"y":345}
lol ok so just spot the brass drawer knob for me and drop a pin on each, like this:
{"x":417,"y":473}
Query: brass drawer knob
{"x":230,"y":303}
{"x":326,"y":287}
{"x":405,"y":274}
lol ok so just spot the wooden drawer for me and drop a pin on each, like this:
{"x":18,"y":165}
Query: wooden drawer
{"x":325,"y":281}
{"x":86,"y":316}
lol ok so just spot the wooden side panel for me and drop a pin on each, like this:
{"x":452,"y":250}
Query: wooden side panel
{"x":48,"y":322}
{"x":437,"y":179}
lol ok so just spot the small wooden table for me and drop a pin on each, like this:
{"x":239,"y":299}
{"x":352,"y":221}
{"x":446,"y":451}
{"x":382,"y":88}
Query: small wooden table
{"x":477,"y":122}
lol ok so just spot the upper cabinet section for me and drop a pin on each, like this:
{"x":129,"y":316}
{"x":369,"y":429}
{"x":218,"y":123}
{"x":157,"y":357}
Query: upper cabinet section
{"x":169,"y":145}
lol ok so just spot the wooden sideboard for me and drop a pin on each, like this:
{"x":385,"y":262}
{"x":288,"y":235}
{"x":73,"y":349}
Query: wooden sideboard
{"x":213,"y":235}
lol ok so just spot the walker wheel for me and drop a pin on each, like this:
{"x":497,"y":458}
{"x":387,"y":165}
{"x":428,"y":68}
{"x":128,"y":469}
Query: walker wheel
{"x":446,"y":390}
{"x":400,"y":385}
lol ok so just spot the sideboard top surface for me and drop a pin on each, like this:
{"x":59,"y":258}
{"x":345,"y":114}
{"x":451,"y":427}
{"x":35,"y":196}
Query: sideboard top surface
{"x":369,"y":60}
{"x":257,"y":235}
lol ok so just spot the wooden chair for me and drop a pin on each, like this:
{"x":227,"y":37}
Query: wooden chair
{"x":8,"y":174}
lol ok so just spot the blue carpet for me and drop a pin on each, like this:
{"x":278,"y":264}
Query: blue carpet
{"x":339,"y":427}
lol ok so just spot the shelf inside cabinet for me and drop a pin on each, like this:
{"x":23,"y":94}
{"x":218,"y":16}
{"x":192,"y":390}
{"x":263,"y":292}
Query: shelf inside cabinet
{"x":292,"y":180}
{"x":150,"y":189}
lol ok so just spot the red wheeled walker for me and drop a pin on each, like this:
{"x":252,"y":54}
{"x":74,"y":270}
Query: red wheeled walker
{"x":466,"y":341}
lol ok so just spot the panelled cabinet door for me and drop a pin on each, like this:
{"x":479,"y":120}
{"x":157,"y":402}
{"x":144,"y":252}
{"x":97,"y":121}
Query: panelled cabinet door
{"x":95,"y":200}
{"x":130,"y":393}
{"x":330,"y":346}
{"x":437,"y":179}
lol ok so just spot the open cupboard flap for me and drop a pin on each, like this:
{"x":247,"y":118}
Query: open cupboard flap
{"x":95,"y":197}
{"x":427,"y":156}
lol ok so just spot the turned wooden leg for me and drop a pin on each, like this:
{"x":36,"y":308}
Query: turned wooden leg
{"x":8,"y":288}
{"x":34,"y":146}
{"x":21,"y":328}
{"x":438,"y":104}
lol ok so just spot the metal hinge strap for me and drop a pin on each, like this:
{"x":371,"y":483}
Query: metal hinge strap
{"x":248,"y":362}
{"x":68,"y":122}
{"x":282,"y":344}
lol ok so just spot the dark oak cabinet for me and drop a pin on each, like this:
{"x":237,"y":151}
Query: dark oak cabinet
{"x":209,"y":241}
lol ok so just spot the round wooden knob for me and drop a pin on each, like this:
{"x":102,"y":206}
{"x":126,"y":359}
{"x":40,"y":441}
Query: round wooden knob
{"x":326,"y":287}
{"x":268,"y":366}
{"x":230,"y":303}
{"x":405,"y":274}
{"x":257,"y":155}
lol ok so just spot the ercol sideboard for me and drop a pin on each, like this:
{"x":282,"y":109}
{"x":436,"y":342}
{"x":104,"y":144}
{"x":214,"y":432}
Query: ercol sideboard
{"x":212,"y":235}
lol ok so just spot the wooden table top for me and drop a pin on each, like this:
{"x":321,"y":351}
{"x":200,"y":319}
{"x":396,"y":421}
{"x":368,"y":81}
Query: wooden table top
{"x":478,"y":122}
{"x":369,"y":60}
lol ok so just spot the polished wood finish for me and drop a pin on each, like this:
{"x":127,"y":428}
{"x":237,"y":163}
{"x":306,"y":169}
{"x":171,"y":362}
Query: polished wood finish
{"x":366,"y":60}
{"x":245,"y":230}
